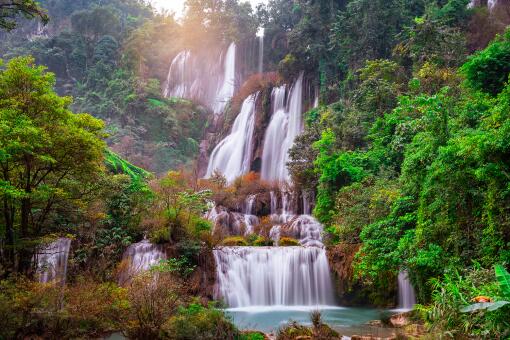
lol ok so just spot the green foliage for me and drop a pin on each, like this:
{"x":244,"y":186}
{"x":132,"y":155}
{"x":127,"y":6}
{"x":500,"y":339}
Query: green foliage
{"x":84,"y":310}
{"x":503,"y":278}
{"x":12,"y":9}
{"x":456,"y":289}
{"x":288,"y":242}
{"x":488,"y":70}
{"x":179,"y":265}
{"x":42,"y":143}
{"x":234,"y":241}
{"x":198,"y":322}
{"x":118,"y":165}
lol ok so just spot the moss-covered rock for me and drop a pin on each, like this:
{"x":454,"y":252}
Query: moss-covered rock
{"x":235,"y":241}
{"x":288,"y":242}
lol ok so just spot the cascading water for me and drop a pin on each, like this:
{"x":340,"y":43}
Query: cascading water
{"x":286,"y":124}
{"x":52,"y":261}
{"x":260,"y":36}
{"x":227,"y":88}
{"x":406,"y":294}
{"x":232,"y":156}
{"x":196,"y":77}
{"x":269,"y":276}
{"x":140,"y":257}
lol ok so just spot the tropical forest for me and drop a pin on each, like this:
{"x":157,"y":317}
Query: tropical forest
{"x":255,"y":169}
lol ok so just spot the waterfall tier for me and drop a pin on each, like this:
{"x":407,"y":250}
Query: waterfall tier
{"x":140,"y":257}
{"x":268,"y":276}
{"x":232,"y":156}
{"x":286,"y":124}
{"x":52,"y":261}
{"x":192,"y":77}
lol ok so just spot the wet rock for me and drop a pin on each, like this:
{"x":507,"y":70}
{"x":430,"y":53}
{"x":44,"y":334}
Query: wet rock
{"x":400,"y":320}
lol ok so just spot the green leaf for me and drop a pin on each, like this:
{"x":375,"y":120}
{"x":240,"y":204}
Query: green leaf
{"x":475,"y":307}
{"x":497,"y":305}
{"x":490,"y":306}
{"x":503,"y":278}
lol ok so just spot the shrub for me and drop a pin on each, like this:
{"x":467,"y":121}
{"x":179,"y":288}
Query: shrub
{"x":262,"y":242}
{"x":235,"y":241}
{"x":198,"y":322}
{"x":160,"y":235}
{"x":318,"y":331}
{"x":453,"y":292}
{"x":488,"y":70}
{"x":152,"y":300}
{"x":288,"y":242}
{"x":85,"y":309}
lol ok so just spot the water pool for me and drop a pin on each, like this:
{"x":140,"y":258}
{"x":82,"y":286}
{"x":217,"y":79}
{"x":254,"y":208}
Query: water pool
{"x":270,"y":318}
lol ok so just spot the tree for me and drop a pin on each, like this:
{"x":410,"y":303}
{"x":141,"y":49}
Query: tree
{"x":11,"y":9}
{"x":48,"y":155}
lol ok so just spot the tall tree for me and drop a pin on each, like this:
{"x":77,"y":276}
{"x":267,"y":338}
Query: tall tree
{"x":48,"y":155}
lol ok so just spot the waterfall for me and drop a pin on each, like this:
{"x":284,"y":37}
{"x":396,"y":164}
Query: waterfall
{"x":406,"y":294}
{"x":307,"y":206}
{"x":51,"y":261}
{"x":248,"y":205}
{"x":201,"y":78}
{"x":274,"y":202}
{"x":286,"y":124}
{"x":227,"y":88}
{"x":269,"y":276}
{"x":140,"y":257}
{"x":232,"y":156}
{"x":177,"y":79}
{"x":260,"y":36}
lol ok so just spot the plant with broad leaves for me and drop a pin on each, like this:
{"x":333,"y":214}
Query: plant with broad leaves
{"x":503,"y":278}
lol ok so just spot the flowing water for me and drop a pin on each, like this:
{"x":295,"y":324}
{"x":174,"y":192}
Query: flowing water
{"x":260,"y":36}
{"x":51,"y":261}
{"x":227,"y":87}
{"x":140,"y":257}
{"x":286,"y":124}
{"x":273,"y":276}
{"x":406,"y":294}
{"x":232,"y":156}
{"x":202,"y":79}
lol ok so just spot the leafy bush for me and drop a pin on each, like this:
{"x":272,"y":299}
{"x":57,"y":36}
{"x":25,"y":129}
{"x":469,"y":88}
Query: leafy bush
{"x":84,"y":309}
{"x":453,"y":292}
{"x":288,"y":242}
{"x":152,"y":301}
{"x":262,"y":241}
{"x":179,"y":265}
{"x":235,"y":241}
{"x":319,"y":330}
{"x":488,"y":70}
{"x":198,"y":322}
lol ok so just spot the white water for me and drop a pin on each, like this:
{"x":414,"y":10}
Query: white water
{"x":268,"y":276}
{"x":52,"y":261}
{"x":260,"y":37}
{"x":140,"y":257}
{"x":202,"y":78}
{"x":232,"y":156}
{"x":286,"y":124}
{"x":406,"y":294}
{"x":227,"y":88}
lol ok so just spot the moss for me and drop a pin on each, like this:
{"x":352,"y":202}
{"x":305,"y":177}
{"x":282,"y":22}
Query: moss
{"x":288,"y":242}
{"x":118,"y":165}
{"x":235,"y":241}
{"x":262,"y":242}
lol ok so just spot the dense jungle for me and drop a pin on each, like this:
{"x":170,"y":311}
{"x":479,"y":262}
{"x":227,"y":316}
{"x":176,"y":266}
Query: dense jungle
{"x":254,"y":169}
